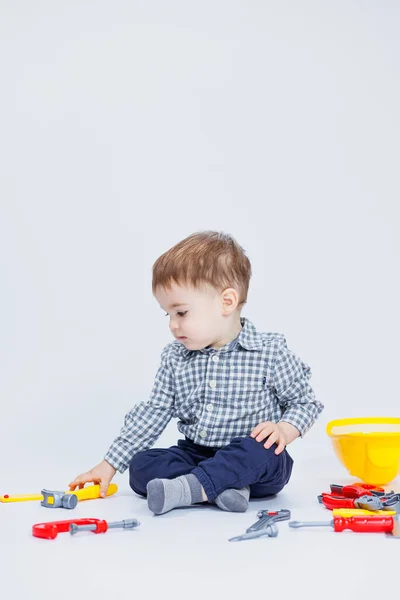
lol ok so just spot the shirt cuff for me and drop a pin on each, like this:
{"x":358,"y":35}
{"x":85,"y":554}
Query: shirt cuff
{"x":299,"y":421}
{"x":118,"y":464}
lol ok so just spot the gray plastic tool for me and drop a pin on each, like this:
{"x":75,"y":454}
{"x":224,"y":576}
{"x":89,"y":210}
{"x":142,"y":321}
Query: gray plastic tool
{"x":271,"y":530}
{"x":59,"y":499}
{"x":265,"y":517}
{"x":265,"y":526}
{"x":126,"y":524}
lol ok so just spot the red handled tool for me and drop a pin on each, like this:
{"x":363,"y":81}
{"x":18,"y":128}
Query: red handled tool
{"x":366,"y":502}
{"x":50,"y":530}
{"x":357,"y":489}
{"x":361,"y":524}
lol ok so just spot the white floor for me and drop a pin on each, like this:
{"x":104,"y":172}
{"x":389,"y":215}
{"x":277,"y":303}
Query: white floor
{"x":186,"y":552}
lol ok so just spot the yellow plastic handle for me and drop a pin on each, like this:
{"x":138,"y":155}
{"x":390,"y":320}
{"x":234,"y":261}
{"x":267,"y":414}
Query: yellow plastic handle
{"x":350,"y":512}
{"x":21,"y":498}
{"x":91,"y":492}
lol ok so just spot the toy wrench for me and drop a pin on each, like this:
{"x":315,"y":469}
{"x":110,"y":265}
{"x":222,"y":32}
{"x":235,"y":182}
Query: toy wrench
{"x":264,"y":526}
{"x":269,"y":530}
{"x":265,"y":517}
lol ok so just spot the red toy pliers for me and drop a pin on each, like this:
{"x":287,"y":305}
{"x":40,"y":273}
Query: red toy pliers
{"x":364,"y":502}
{"x":359,"y":495}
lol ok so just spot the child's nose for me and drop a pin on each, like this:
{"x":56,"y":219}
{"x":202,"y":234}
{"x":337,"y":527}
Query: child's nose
{"x":173,"y":325}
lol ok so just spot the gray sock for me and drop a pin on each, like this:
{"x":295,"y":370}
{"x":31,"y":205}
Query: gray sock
{"x":165,"y":494}
{"x":233,"y":500}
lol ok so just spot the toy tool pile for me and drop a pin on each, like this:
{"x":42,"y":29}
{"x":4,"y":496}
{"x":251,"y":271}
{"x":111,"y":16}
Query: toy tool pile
{"x":361,"y":507}
{"x":360,"y":495}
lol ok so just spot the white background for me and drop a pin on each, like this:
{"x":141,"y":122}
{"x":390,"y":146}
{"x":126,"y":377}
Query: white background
{"x":126,"y":126}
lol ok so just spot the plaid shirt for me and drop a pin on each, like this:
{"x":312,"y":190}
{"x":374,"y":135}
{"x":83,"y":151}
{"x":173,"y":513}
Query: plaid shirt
{"x":220,"y":394}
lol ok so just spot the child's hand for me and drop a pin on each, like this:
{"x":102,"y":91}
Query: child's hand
{"x":274,"y":432}
{"x":101,"y":474}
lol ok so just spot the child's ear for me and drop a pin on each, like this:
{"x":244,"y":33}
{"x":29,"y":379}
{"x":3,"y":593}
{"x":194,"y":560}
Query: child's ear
{"x":229,"y":300}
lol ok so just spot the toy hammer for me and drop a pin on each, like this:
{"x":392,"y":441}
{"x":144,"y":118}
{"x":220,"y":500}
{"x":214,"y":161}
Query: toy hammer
{"x":68,"y":499}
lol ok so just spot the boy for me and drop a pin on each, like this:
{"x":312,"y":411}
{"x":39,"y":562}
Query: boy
{"x":240,"y":396}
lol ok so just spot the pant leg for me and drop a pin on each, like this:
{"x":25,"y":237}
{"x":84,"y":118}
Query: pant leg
{"x":266,"y":488}
{"x":244,"y":462}
{"x":166,"y":463}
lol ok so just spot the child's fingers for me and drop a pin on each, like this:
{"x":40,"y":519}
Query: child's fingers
{"x":103,"y":488}
{"x":271,"y":440}
{"x":257,"y":430}
{"x":280,"y":447}
{"x":80,"y":481}
{"x":265,"y":432}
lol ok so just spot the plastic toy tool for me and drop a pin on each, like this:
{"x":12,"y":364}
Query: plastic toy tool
{"x":49,"y":531}
{"x":265,"y":526}
{"x":361,"y":524}
{"x":357,"y":489}
{"x":53,"y":499}
{"x":356,"y":512}
{"x":366,"y":502}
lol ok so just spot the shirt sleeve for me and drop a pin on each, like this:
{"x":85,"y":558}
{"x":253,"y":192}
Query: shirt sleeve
{"x":294,"y":393}
{"x":147,"y":420}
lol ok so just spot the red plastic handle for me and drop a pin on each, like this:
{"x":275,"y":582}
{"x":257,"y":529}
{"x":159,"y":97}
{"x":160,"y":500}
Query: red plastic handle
{"x":102,"y":526}
{"x":332,"y":502}
{"x":356,"y":490}
{"x":50,"y":530}
{"x":368,"y":524}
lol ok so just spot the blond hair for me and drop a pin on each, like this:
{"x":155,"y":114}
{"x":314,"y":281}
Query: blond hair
{"x":209,"y":257}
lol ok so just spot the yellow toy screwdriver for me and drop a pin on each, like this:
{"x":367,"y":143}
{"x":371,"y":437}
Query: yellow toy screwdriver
{"x":89,"y":492}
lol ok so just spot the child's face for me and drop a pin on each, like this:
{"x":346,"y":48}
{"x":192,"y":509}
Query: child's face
{"x":196,"y":316}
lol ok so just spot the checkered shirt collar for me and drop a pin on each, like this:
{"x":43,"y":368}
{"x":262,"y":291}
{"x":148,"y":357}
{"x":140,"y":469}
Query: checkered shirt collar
{"x":248,"y":338}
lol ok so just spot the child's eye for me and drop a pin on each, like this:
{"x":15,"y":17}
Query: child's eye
{"x":182,"y":313}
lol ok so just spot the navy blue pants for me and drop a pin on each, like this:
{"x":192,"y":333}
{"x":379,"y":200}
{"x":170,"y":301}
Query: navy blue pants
{"x":242,"y":462}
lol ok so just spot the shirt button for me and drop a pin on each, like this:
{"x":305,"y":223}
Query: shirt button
{"x":215,"y":358}
{"x":203,"y":433}
{"x":213,"y":384}
{"x":209,"y":407}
